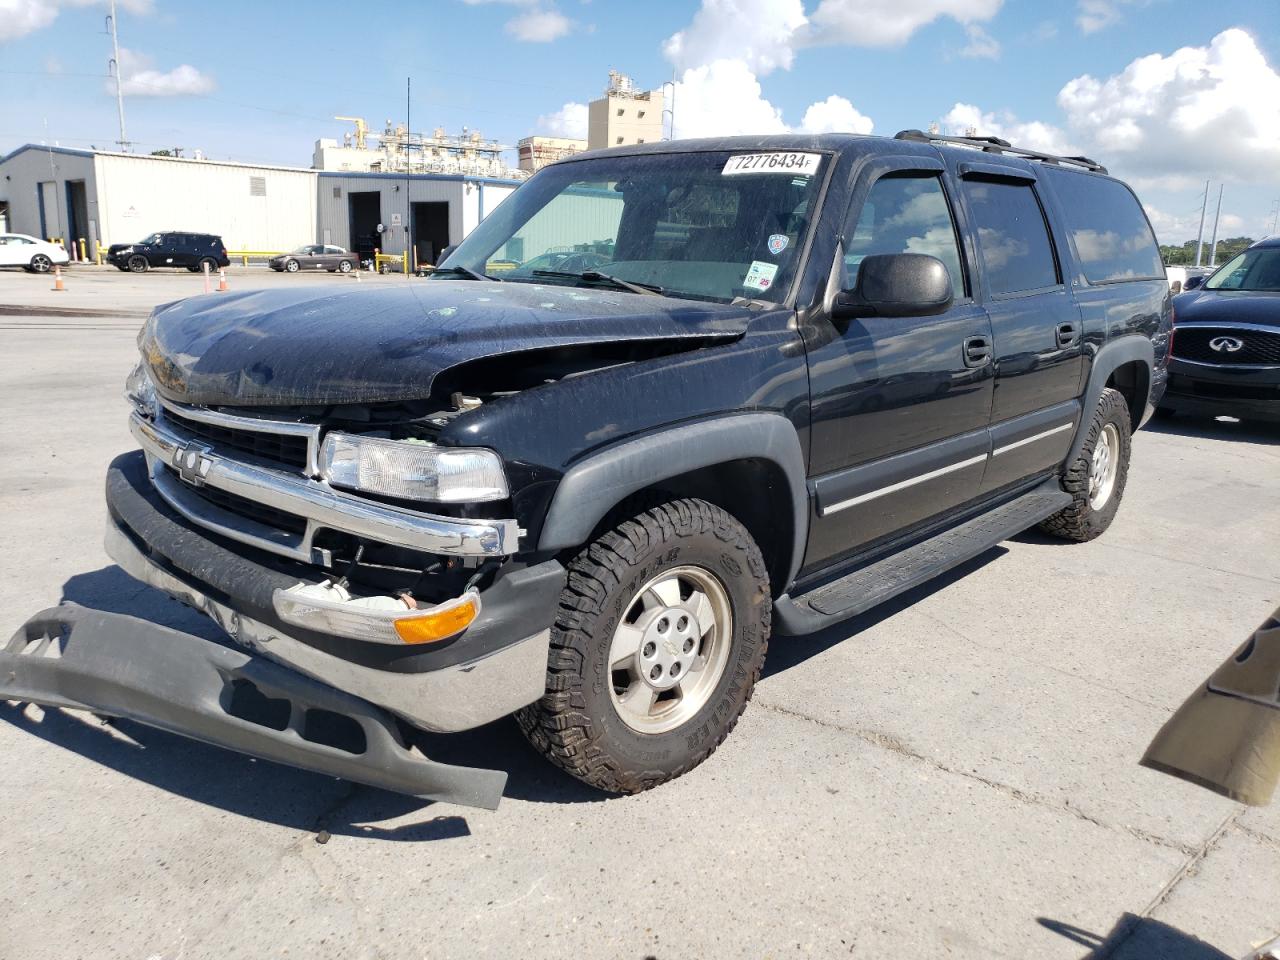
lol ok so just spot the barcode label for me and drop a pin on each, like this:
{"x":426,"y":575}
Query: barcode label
{"x":796,"y":164}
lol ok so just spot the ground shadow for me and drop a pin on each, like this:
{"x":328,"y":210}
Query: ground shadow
{"x":1135,"y":937}
{"x":786,"y":652}
{"x":1208,"y":428}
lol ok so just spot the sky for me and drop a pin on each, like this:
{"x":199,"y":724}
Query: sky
{"x":1165,"y":93}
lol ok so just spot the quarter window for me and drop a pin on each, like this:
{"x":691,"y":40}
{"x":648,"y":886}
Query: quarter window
{"x":1012,"y":236}
{"x":1112,"y":237}
{"x":905,"y":214}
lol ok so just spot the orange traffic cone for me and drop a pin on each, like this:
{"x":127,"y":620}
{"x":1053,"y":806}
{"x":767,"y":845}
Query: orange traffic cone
{"x":57,"y":278}
{"x":222,"y":281}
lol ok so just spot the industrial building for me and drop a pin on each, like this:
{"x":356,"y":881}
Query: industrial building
{"x":624,"y":115}
{"x":102,"y":197}
{"x":398,"y":150}
{"x":536,"y":152}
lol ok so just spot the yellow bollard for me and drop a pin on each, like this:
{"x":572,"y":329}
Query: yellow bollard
{"x":83,"y":255}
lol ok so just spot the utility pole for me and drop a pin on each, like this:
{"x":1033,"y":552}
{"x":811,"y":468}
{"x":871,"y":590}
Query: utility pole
{"x":1213,"y":254}
{"x":115,"y":67}
{"x":1200,"y":236}
{"x":408,"y":204}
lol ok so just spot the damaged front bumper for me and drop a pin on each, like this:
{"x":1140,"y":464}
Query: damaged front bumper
{"x":118,"y":665}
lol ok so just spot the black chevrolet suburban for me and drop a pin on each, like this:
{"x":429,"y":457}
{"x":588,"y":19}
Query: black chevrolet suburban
{"x":172,"y":248}
{"x":802,"y":375}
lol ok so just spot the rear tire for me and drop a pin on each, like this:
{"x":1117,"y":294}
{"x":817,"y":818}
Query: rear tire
{"x":645,"y":676}
{"x":1096,"y":478}
{"x":138,"y":264}
{"x":41,"y":263}
{"x":213,"y":265}
{"x":344,"y":266}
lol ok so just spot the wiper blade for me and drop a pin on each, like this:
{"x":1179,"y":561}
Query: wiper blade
{"x":465,"y":272}
{"x":595,"y":276}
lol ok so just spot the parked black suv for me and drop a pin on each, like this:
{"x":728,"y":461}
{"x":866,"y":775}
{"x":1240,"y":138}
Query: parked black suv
{"x":808,"y":373}
{"x":1226,"y":345}
{"x":172,"y":249}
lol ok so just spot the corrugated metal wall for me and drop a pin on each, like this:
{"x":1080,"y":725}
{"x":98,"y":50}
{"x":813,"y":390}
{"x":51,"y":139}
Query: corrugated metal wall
{"x":251,"y":208}
{"x":27,"y":171}
{"x":333,"y":205}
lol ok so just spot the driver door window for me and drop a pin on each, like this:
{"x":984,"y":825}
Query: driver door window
{"x":905,"y":214}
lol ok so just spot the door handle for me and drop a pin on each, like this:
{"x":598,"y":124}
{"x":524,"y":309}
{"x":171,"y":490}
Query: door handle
{"x":1067,"y":335}
{"x":977,"y":351}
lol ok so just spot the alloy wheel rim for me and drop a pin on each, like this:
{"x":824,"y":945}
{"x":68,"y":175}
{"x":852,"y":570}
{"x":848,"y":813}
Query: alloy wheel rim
{"x":670,"y":649}
{"x":1106,"y":459}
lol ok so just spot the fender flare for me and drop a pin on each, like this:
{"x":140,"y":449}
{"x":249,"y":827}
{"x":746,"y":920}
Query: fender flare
{"x":1111,"y":356}
{"x":596,"y":484}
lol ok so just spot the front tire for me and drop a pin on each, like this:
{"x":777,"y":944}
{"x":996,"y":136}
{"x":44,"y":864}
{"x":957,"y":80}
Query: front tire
{"x":1096,"y":478}
{"x":291,"y":266}
{"x":138,"y":264}
{"x":41,"y":263}
{"x":658,"y":642}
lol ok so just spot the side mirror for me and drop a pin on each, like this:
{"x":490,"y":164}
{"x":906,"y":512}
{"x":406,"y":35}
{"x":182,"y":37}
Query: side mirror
{"x":896,"y":285}
{"x":1193,"y":282}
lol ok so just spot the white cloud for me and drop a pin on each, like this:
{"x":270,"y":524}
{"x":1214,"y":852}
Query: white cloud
{"x":889,"y":23}
{"x":965,"y":119}
{"x":834,"y":115}
{"x":1179,"y":228}
{"x":21,"y":17}
{"x":981,"y":44}
{"x":538,"y":26}
{"x":141,"y":79}
{"x":722,"y":99}
{"x":758,"y":33}
{"x":1171,"y":120}
{"x":569,"y":121}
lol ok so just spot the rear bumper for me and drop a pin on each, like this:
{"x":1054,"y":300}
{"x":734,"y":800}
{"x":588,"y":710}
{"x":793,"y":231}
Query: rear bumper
{"x":1211,"y":389}
{"x":497,"y":665}
{"x":109,"y":663}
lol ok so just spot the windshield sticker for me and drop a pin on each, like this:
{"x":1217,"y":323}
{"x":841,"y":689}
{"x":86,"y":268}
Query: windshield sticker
{"x":760,"y":276}
{"x":777,"y":243}
{"x":804,"y":164}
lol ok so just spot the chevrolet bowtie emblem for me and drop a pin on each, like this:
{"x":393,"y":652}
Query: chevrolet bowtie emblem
{"x":192,"y":463}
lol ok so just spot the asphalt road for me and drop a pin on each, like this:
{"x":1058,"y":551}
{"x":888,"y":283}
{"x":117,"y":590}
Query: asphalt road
{"x":952,"y":775}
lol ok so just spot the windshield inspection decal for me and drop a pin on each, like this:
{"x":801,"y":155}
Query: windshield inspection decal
{"x":805,"y":164}
{"x":777,"y":243}
{"x":760,"y":276}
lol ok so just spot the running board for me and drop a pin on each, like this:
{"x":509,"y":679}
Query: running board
{"x":899,"y":572}
{"x":110,"y":663}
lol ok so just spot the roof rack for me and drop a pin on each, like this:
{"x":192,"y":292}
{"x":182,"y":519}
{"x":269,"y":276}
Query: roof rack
{"x":996,"y":145}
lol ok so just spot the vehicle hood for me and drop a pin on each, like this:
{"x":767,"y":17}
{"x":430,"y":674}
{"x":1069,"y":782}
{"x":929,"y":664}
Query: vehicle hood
{"x":1228,"y":306}
{"x":312,"y":346}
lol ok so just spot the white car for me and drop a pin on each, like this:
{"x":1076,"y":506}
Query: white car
{"x":37,"y":256}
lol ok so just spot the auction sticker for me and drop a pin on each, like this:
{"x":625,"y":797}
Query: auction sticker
{"x":760,"y":276}
{"x":802,"y":164}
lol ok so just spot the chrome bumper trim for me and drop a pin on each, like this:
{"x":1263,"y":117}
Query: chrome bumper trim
{"x":322,"y":507}
{"x":458,"y":697}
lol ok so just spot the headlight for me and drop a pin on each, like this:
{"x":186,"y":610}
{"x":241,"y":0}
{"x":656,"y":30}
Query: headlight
{"x":141,"y":392}
{"x":412,"y":469}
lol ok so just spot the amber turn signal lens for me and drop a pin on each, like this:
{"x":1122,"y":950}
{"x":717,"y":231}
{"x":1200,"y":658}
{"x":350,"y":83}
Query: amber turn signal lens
{"x":440,"y":625}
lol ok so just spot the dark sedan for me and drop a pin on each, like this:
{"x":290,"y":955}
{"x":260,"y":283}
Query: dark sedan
{"x":315,"y":256}
{"x":1226,"y":344}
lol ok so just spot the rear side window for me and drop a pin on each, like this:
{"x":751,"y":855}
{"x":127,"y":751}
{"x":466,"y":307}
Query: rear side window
{"x":1112,"y":237}
{"x":1012,"y":236}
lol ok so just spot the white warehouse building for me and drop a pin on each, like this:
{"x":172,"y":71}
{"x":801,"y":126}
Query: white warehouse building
{"x":102,"y":197}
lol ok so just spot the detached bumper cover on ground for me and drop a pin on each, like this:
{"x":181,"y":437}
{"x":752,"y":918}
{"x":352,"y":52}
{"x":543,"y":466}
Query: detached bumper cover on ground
{"x":70,"y":656}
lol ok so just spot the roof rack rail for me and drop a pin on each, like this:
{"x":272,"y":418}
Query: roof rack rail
{"x":996,"y":145}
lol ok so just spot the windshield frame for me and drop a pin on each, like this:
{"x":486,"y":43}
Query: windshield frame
{"x":830,"y":161}
{"x":1224,"y":273}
